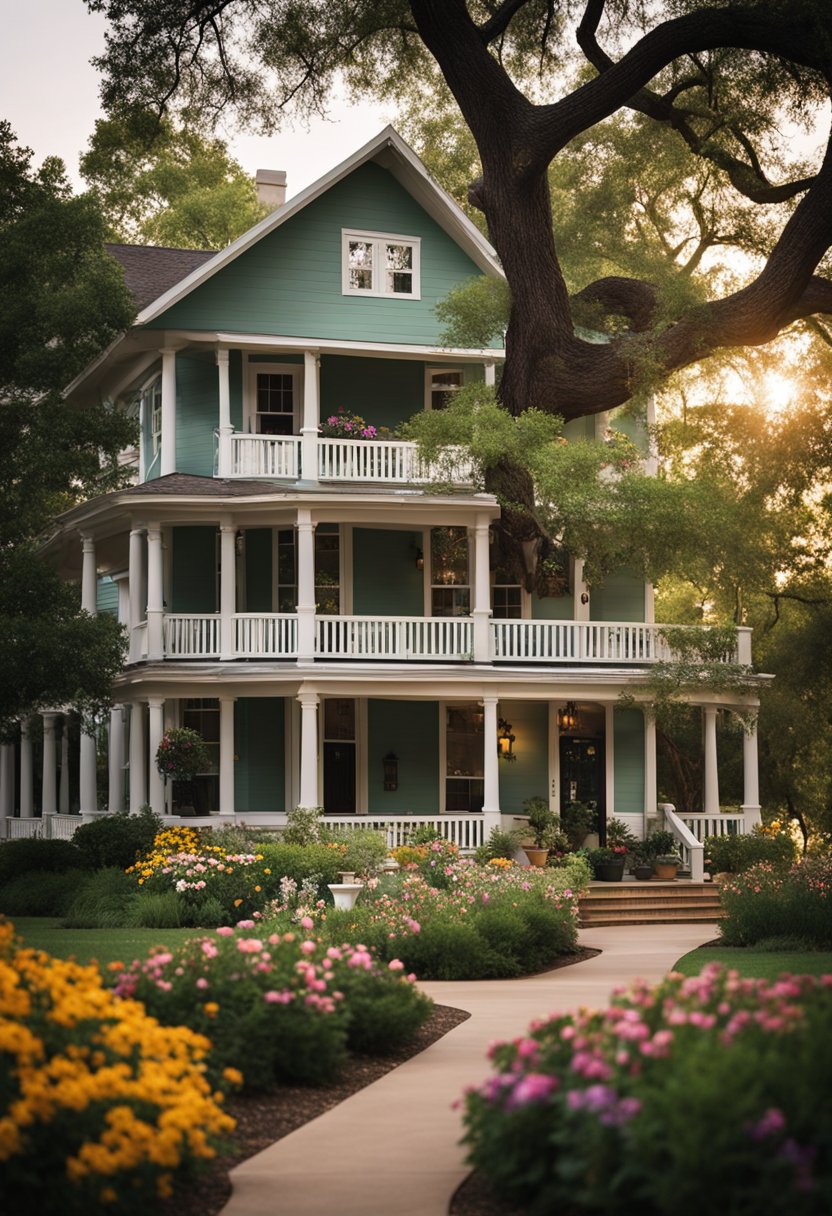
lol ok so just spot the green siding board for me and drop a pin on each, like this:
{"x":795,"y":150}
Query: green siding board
{"x":194,"y":570}
{"x":384,"y":392}
{"x":410,"y":730}
{"x":197,"y":413}
{"x":385,"y":579}
{"x":628,"y":744}
{"x":106,"y":596}
{"x":551,"y":607}
{"x":620,"y":598}
{"x":528,"y":775}
{"x":289,"y":283}
{"x":259,"y":570}
{"x":259,"y":745}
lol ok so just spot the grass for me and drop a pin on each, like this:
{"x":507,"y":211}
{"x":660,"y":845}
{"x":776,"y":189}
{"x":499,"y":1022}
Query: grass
{"x":757,"y":964}
{"x":102,"y":945}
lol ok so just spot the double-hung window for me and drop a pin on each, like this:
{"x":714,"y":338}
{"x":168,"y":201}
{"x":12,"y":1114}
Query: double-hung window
{"x":151,"y":412}
{"x":380,"y":264}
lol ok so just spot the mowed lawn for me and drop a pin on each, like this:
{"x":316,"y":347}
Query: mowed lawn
{"x":757,"y":964}
{"x":103,"y":945}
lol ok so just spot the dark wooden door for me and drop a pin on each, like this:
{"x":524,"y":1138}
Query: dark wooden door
{"x":339,"y":778}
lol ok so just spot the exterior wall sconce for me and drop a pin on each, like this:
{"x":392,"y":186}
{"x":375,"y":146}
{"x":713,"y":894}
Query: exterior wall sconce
{"x":505,"y":740}
{"x":420,"y":560}
{"x":568,"y":718}
{"x":391,"y":771}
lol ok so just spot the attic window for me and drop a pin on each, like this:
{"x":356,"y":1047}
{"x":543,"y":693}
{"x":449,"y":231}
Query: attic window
{"x":380,"y":264}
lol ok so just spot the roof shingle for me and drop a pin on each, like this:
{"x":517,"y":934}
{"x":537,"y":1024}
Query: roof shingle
{"x":150,"y":271}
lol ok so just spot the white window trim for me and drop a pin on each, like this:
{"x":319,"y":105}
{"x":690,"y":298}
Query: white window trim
{"x":250,"y":403}
{"x":430,"y":372}
{"x":146,"y":413}
{"x":378,"y":239}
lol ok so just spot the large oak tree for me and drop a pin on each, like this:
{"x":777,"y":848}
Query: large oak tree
{"x":720,"y":76}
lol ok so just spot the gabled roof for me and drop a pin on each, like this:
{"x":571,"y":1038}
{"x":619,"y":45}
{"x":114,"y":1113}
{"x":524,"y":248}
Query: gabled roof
{"x":150,"y":271}
{"x":386,"y":149}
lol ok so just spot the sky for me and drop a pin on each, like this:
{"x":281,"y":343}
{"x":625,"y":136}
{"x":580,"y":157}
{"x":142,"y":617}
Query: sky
{"x":49,"y":95}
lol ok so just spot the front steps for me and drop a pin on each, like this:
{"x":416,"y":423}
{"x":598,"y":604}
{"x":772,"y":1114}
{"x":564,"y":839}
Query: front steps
{"x":645,"y":903}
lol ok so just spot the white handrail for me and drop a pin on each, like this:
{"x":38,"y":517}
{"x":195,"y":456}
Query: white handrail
{"x":691,"y":849}
{"x":265,"y":634}
{"x":392,"y":637}
{"x":192,"y":635}
{"x":265,"y":455}
{"x":466,"y":831}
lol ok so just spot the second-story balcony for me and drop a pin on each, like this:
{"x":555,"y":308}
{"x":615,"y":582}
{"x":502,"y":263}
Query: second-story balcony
{"x":373,"y":461}
{"x":420,"y":639}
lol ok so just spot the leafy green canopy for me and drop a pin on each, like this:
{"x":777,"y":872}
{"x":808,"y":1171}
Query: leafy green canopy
{"x":61,"y":300}
{"x":160,"y":185}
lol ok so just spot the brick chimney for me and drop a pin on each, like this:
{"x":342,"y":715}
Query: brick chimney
{"x":271,"y":187}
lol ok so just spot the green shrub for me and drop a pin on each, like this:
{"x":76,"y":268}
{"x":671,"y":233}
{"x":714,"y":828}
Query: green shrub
{"x":117,"y":840}
{"x":303,"y":825}
{"x":381,"y":1017}
{"x":766,"y":901}
{"x":734,"y":853}
{"x":100,"y":901}
{"x":41,"y":893}
{"x":499,"y":844}
{"x":577,"y":821}
{"x":604,"y":1111}
{"x":24,"y":856}
{"x":156,"y":910}
{"x":363,"y":851}
{"x":299,"y":862}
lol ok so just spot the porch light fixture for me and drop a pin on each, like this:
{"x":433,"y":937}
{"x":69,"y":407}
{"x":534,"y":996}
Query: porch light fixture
{"x":420,"y":560}
{"x":391,"y":771}
{"x":505,"y":740}
{"x":568,"y":718}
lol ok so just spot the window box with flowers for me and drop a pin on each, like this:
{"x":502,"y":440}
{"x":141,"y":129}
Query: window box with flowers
{"x":181,"y":754}
{"x":345,"y":425}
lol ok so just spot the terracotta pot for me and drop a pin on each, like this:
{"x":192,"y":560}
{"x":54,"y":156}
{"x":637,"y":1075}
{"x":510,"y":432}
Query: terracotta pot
{"x":666,"y":873}
{"x":537,"y":857}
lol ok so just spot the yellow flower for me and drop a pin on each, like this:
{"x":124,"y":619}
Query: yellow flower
{"x":233,"y":1076}
{"x":267,"y":871}
{"x":211,"y":1008}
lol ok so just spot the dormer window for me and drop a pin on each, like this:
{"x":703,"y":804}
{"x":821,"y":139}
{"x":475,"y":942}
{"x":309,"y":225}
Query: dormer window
{"x":380,"y":264}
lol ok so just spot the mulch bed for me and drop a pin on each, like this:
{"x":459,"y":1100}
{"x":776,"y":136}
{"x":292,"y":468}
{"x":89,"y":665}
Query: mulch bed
{"x":264,"y":1118}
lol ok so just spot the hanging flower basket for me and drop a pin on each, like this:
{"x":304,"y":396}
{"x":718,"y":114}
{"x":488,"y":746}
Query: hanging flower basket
{"x":181,"y":754}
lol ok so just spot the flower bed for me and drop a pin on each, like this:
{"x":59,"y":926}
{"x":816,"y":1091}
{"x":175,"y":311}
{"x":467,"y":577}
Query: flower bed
{"x":100,"y":1106}
{"x":768,"y":901}
{"x":693,"y":1096}
{"x":280,"y":1007}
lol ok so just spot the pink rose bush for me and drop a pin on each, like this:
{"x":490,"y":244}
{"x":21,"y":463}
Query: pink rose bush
{"x":280,"y":1007}
{"x":768,"y":900}
{"x":695,"y":1095}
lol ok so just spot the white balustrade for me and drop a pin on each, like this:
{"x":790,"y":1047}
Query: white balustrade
{"x":466,"y":831}
{"x":24,"y":829}
{"x":728,"y":823}
{"x":364,"y":637}
{"x":580,"y":642}
{"x":387,"y":460}
{"x":265,"y":456}
{"x":264,"y":635}
{"x":192,"y":636}
{"x":690,"y":849}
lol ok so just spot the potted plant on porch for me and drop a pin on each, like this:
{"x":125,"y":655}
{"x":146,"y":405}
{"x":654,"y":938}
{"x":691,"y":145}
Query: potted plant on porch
{"x":608,"y":862}
{"x":543,"y":827}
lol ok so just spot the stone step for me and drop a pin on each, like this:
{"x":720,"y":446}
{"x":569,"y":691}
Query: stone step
{"x":649,"y":903}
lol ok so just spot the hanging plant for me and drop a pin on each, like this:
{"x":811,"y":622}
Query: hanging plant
{"x":181,"y":754}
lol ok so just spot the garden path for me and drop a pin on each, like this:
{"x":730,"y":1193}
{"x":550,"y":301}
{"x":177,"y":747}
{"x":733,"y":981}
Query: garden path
{"x":392,"y":1149}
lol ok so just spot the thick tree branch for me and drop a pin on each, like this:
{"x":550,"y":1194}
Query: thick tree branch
{"x":499,"y":21}
{"x":622,"y":297}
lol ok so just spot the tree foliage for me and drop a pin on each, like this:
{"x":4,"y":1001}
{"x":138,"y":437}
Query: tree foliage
{"x":158,"y":184}
{"x":61,"y":300}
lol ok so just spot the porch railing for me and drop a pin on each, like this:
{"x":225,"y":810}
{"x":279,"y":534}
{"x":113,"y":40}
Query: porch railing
{"x":724,"y":824}
{"x":466,"y":831}
{"x":192,"y":636}
{"x":578,"y":642}
{"x":48,"y":827}
{"x":691,"y":850}
{"x":388,"y":637}
{"x":265,"y":456}
{"x":265,"y":635}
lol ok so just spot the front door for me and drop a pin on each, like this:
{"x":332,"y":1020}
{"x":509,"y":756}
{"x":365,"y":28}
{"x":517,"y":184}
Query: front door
{"x":582,"y":776}
{"x":339,"y":755}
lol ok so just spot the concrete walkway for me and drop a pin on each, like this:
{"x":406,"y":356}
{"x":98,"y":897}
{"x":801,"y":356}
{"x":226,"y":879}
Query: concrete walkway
{"x":392,"y":1149}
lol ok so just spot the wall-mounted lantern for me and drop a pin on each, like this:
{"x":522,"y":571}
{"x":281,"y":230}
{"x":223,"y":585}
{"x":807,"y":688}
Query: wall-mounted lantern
{"x":505,"y":740}
{"x":420,"y":560}
{"x":568,"y":718}
{"x":391,"y":771}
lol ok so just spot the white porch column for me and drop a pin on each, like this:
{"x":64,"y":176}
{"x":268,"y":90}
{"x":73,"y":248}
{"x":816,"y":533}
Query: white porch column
{"x":309,"y":702}
{"x":138,"y":758}
{"x":311,"y":417}
{"x":580,"y":594}
{"x":27,"y":805}
{"x":156,"y":728}
{"x":49,"y":786}
{"x":306,"y":590}
{"x":135,"y":583}
{"x":6,"y":781}
{"x":63,"y":788}
{"x":649,"y":604}
{"x":155,"y":593}
{"x":227,"y":756}
{"x":751,"y":778}
{"x":89,"y":601}
{"x":481,"y":610}
{"x":168,"y":464}
{"x":490,"y":374}
{"x":490,"y":767}
{"x":115,"y":757}
{"x":228,"y":589}
{"x":609,"y":758}
{"x":711,"y":806}
{"x":88,"y":776}
{"x":225,"y":428}
{"x":651,"y":796}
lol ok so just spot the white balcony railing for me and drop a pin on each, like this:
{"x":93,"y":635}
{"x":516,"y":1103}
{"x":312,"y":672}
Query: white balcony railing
{"x":390,"y":637}
{"x":386,"y":460}
{"x":265,"y":456}
{"x":275,"y":635}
